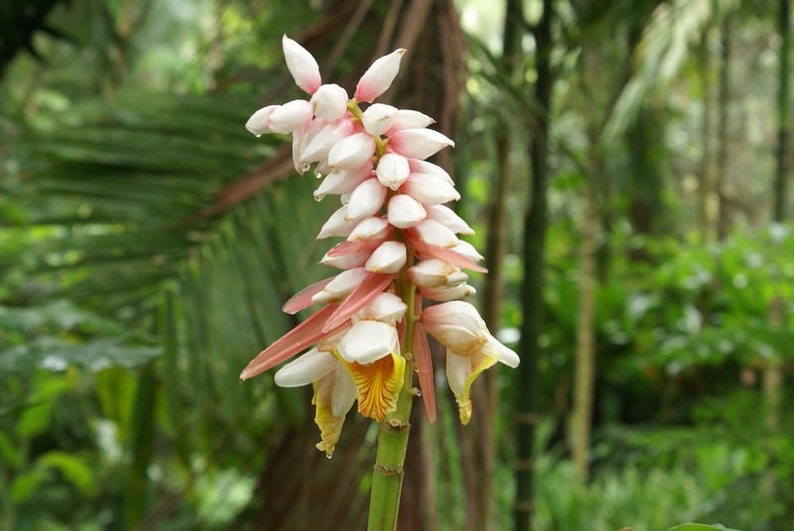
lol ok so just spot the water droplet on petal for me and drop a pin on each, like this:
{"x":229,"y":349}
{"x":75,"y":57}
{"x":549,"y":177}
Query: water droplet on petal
{"x":418,"y":392}
{"x":329,"y":456}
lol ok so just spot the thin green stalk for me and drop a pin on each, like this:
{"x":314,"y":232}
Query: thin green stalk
{"x":387,"y":474}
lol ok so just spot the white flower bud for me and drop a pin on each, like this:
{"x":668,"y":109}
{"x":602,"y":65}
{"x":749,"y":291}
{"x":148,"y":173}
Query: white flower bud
{"x":329,"y":102}
{"x":303,"y":67}
{"x":378,"y":118}
{"x":389,"y":257}
{"x":379,"y":76}
{"x":392,"y":170}
{"x":418,"y":143}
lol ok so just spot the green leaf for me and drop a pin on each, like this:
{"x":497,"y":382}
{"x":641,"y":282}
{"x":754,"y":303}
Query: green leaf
{"x":74,"y":469}
{"x":26,"y":485}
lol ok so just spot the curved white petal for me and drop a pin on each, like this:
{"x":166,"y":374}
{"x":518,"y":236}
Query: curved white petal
{"x":378,"y":118}
{"x":259,"y":122}
{"x":447,"y":217}
{"x":387,"y":307}
{"x":429,"y":189}
{"x":352,"y":151}
{"x":433,"y":273}
{"x":342,"y":181}
{"x":368,"y":341}
{"x":389,"y":257}
{"x":392,"y":170}
{"x":371,"y":228}
{"x":344,"y":392}
{"x":306,"y":369}
{"x":291,"y":116}
{"x":337,"y":225}
{"x":435,"y":233}
{"x":418,"y":143}
{"x":346,"y":261}
{"x":458,"y":372}
{"x":329,"y":102}
{"x":318,"y":146}
{"x":366,"y":199}
{"x":341,"y":285}
{"x":403,"y":211}
{"x":422,"y":166}
{"x":408,"y":119}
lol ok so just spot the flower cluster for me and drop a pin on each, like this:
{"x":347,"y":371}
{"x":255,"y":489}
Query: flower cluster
{"x":400,"y":246}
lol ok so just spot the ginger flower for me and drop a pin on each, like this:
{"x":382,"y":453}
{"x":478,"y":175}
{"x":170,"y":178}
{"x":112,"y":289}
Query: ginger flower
{"x":399,"y":248}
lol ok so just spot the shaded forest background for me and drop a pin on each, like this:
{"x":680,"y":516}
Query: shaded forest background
{"x":625,"y":164}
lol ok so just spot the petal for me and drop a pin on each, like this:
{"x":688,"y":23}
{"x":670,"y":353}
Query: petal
{"x":448,"y":293}
{"x":329,"y":102}
{"x":424,"y":368}
{"x":333,"y":396}
{"x":306,"y":369}
{"x":359,"y":298}
{"x":301,"y":64}
{"x":448,"y":255}
{"x":379,"y":385}
{"x":447,"y":217}
{"x":418,"y":143}
{"x":392,"y":170}
{"x":368,"y":341}
{"x":434,"y":233}
{"x":259,"y":122}
{"x":386,"y":307}
{"x":366,"y":200}
{"x":461,"y":373}
{"x":501,"y":353}
{"x":403,"y":211}
{"x":432,"y":273}
{"x":303,"y":299}
{"x":467,"y":250}
{"x":378,"y":118}
{"x":318,"y":146}
{"x":342,"y":181}
{"x":352,"y":151}
{"x":379,"y":76}
{"x":341,"y":285}
{"x":389,"y":257}
{"x":372,"y":228}
{"x":408,"y":119}
{"x":457,"y":325}
{"x":337,"y":225}
{"x":429,"y":189}
{"x":299,"y":338}
{"x":422,"y":166}
{"x":291,"y":116}
{"x":347,"y":261}
{"x":345,"y":248}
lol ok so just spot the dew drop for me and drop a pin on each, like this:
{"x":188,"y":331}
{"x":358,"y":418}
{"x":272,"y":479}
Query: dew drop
{"x":328,"y":456}
{"x":418,"y":392}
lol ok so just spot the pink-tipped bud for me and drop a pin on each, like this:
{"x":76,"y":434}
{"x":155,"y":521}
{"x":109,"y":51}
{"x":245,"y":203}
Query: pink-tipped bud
{"x":259,"y":122}
{"x":290,"y":117}
{"x":352,"y":151}
{"x":318,"y":146}
{"x":404,"y":211}
{"x":429,"y":189}
{"x":337,"y":225}
{"x":392,"y":170}
{"x":378,"y":118}
{"x":389,"y":257}
{"x":342,"y":181}
{"x":408,"y":119}
{"x":329,"y":102}
{"x":341,"y":285}
{"x":386,"y":307}
{"x":434,"y":273}
{"x":422,"y":166}
{"x":379,"y":76}
{"x":302,"y":65}
{"x":366,"y":199}
{"x":372,"y":228}
{"x":447,"y":217}
{"x":435,"y":233}
{"x":448,"y":293}
{"x":418,"y":143}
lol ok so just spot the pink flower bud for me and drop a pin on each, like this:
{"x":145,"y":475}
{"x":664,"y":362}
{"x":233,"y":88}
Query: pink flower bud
{"x":468,"y":251}
{"x":422,"y":166}
{"x":386,"y":307}
{"x":304,"y":69}
{"x":447,"y":217}
{"x":435,"y":233}
{"x":408,"y":119}
{"x":392,"y":170}
{"x":290,"y":117}
{"x":329,"y":102}
{"x":418,"y":143}
{"x":366,"y":199}
{"x":404,"y":211}
{"x":379,"y":76}
{"x":352,"y":151}
{"x":341,"y":285}
{"x":337,"y":225}
{"x":389,"y":257}
{"x":259,"y":122}
{"x":346,"y":261}
{"x":372,"y":228}
{"x":378,"y":118}
{"x":434,"y":273}
{"x":448,"y":293}
{"x":318,"y":145}
{"x":306,"y":369}
{"x":429,"y":189}
{"x":342,"y":181}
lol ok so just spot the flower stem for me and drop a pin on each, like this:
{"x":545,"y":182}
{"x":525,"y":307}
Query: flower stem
{"x":387,"y":475}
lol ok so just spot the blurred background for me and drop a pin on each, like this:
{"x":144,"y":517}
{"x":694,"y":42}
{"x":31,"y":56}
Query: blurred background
{"x":624,"y":162}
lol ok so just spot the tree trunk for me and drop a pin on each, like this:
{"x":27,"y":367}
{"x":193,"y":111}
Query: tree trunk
{"x":723,"y":102}
{"x":528,"y":396}
{"x":582,"y":415}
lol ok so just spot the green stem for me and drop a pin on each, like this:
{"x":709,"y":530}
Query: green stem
{"x":387,"y":475}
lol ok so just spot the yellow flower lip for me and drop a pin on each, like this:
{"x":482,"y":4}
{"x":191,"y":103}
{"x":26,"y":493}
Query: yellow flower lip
{"x":378,"y":384}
